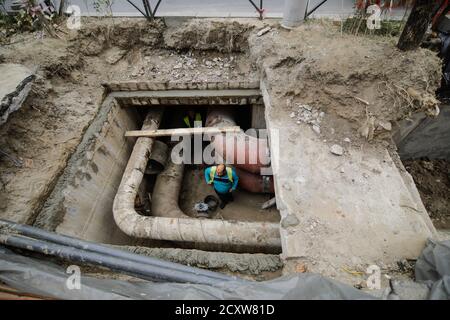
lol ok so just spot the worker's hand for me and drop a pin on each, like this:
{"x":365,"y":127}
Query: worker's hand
{"x":231,"y":190}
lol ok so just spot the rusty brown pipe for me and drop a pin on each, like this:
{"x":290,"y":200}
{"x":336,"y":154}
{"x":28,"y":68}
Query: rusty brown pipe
{"x":248,"y":156}
{"x":255,"y":183}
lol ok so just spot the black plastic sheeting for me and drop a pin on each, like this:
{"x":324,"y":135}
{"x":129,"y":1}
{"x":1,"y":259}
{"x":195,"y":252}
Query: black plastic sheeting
{"x":433,"y":269}
{"x":47,"y":279}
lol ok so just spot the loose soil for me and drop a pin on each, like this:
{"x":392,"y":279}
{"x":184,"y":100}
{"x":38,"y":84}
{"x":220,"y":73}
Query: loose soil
{"x":432,"y":178}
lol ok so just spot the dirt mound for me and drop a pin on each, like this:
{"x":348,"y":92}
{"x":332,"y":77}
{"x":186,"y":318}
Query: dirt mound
{"x":365,"y":80}
{"x":97,"y":36}
{"x":203,"y":34}
{"x":432,"y":178}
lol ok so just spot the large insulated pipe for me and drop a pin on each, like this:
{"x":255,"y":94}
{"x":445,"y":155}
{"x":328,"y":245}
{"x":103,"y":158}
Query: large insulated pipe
{"x":294,"y":13}
{"x":258,"y":234}
{"x":243,"y":151}
{"x":167,"y":190}
{"x":246,"y":153}
{"x":8,"y":227}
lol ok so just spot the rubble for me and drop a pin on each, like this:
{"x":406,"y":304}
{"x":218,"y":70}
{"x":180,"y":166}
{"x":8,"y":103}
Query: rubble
{"x":309,"y":115}
{"x":337,"y":150}
{"x":263,"y":31}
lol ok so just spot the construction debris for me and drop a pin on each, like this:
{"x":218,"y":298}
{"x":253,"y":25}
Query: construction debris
{"x":337,"y":150}
{"x":270,"y":203}
{"x":263,"y":31}
{"x":15,"y":84}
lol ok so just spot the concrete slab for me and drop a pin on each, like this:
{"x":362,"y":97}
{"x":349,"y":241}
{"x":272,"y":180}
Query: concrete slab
{"x":350,"y":211}
{"x":15,"y":84}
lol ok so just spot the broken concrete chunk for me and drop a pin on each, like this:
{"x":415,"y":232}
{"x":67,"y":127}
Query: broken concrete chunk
{"x":263,"y":31}
{"x":316,"y":129}
{"x":337,"y":150}
{"x":386,"y":125}
{"x":289,"y":221}
{"x":15,"y":84}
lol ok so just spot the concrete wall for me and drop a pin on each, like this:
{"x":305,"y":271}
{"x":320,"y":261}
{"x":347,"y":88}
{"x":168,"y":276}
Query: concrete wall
{"x":81,"y":204}
{"x":425,"y":136}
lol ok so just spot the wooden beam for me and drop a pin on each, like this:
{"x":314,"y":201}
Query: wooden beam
{"x":180,"y":132}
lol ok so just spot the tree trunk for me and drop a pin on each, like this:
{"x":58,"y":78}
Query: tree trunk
{"x":417,"y":24}
{"x":62,"y":5}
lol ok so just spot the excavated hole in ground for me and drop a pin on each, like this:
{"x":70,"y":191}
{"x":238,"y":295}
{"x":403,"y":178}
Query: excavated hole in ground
{"x":81,"y":203}
{"x":424,"y":148}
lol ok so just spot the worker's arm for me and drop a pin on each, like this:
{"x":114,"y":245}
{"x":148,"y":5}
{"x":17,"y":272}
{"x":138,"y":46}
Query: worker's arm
{"x":235,"y":180}
{"x":207,"y":174}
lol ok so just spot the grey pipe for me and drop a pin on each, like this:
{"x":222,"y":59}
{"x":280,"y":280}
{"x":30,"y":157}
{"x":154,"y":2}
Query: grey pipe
{"x":132,"y":268}
{"x":294,"y":13}
{"x":257,"y":234}
{"x":158,"y":158}
{"x":36,"y":233}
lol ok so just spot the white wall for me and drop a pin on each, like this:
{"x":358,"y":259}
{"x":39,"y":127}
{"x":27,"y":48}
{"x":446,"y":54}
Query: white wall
{"x":216,"y":8}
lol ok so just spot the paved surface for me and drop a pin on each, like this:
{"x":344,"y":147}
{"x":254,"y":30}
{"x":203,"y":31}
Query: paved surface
{"x":218,"y":8}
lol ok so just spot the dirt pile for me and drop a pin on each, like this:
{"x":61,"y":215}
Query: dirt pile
{"x":94,"y":38}
{"x":200,"y":34}
{"x":364,"y":80}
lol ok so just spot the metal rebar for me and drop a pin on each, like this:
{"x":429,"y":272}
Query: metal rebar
{"x":137,"y":8}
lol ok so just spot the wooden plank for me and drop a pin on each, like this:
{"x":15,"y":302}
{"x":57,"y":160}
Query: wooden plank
{"x":180,"y":132}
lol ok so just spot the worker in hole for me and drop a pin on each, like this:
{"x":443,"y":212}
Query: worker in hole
{"x":224,"y":180}
{"x":193,"y":119}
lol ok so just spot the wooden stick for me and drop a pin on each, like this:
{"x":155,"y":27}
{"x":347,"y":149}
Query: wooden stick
{"x":268,"y":204}
{"x":181,"y":132}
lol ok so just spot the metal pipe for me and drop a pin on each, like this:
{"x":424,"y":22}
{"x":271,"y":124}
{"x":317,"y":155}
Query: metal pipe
{"x":132,"y":268}
{"x":257,"y":234}
{"x":294,"y":13}
{"x":158,"y":158}
{"x":241,"y":150}
{"x":60,"y":239}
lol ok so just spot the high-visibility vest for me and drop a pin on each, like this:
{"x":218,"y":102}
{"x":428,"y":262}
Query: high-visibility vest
{"x":187,"y":121}
{"x":213,"y":173}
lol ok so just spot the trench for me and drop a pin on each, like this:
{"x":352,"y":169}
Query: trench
{"x":424,"y":148}
{"x":81,"y":205}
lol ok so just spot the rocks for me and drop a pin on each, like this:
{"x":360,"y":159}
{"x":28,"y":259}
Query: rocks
{"x":309,"y":115}
{"x":289,"y":221}
{"x":263,"y":31}
{"x":316,"y":129}
{"x":337,"y":150}
{"x":115,"y":55}
{"x":195,"y":66}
